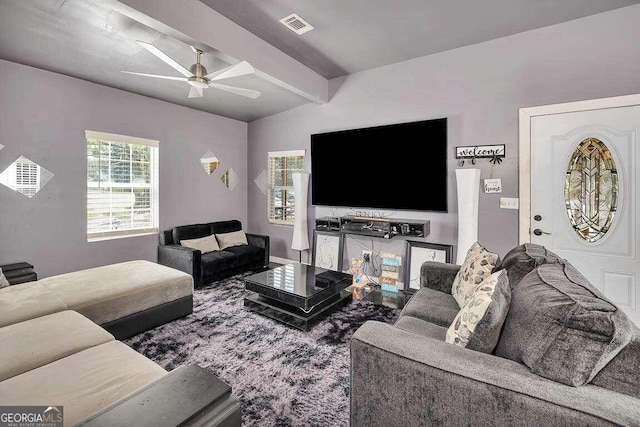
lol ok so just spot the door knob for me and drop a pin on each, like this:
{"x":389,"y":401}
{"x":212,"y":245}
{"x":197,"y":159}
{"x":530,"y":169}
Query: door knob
{"x":539,"y":232}
{"x":537,"y":218}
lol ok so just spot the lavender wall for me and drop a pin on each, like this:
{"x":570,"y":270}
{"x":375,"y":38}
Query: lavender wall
{"x":43,"y":116}
{"x":480,"y":90}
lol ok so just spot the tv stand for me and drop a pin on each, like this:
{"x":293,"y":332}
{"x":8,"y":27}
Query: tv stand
{"x":385,"y":228}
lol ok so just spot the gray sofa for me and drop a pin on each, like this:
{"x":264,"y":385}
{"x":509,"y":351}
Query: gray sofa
{"x":407,"y":375}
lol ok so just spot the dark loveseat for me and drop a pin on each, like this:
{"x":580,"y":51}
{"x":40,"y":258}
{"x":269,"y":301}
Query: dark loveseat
{"x":212,"y":266}
{"x":407,"y":375}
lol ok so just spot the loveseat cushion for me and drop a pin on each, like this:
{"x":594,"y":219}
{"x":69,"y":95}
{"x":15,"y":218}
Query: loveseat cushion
{"x":26,"y":301}
{"x":478,"y":324}
{"x":561,"y":327}
{"x":84,"y":382}
{"x":190,"y":232}
{"x":421,"y":327}
{"x":36,"y":342}
{"x":247,"y":254}
{"x":433,"y":306}
{"x":622,"y":374}
{"x":522,"y":259}
{"x":215,"y":262}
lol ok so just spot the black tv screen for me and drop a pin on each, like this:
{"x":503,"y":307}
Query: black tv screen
{"x":399,"y":166}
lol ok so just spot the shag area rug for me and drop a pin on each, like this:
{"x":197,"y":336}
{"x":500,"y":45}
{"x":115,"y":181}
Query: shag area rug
{"x":282,"y":376}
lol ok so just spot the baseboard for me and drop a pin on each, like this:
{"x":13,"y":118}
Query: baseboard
{"x":283,"y":260}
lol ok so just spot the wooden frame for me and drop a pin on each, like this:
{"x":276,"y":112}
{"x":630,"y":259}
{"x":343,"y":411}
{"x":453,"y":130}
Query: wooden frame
{"x":526,"y":115}
{"x":327,"y":250}
{"x":419,"y":252}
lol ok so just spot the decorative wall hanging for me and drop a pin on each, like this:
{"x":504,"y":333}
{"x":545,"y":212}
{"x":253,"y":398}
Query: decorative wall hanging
{"x":492,"y":185}
{"x":494,"y":152}
{"x":209,"y":162}
{"x":261,"y":182}
{"x":25,"y":177}
{"x":230,"y":179}
{"x":419,"y":252}
{"x":327,"y":250}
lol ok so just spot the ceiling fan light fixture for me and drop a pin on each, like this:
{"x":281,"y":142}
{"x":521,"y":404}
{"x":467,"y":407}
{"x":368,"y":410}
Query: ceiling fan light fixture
{"x":200,"y":83}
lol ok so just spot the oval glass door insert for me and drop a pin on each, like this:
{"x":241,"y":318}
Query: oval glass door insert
{"x":591,"y":190}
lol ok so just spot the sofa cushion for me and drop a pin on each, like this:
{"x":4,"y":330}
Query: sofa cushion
{"x":433,"y":306}
{"x":561,"y":327}
{"x":622,"y":374}
{"x":478,"y":264}
{"x":111,"y":292}
{"x":33,"y":343}
{"x":225,"y":226}
{"x":215,"y":262}
{"x":247,"y":254}
{"x":235,"y":238}
{"x":478,"y":324}
{"x":421,"y":327}
{"x":204,"y":244}
{"x":189,"y":232}
{"x":522,"y":259}
{"x":83,"y":382}
{"x":26,"y":301}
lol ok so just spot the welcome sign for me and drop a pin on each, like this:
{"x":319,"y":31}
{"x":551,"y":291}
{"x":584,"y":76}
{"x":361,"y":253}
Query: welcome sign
{"x":480,"y":151}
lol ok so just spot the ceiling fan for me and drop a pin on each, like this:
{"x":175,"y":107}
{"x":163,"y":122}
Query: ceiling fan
{"x":197,"y":75}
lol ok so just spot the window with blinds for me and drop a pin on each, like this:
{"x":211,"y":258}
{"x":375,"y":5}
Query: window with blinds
{"x":122,"y":186}
{"x":280,"y":197}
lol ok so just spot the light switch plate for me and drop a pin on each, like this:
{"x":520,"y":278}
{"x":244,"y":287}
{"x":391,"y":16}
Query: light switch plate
{"x":509,"y":203}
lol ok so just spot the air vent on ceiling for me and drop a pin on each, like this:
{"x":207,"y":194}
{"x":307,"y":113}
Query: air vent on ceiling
{"x":296,"y":24}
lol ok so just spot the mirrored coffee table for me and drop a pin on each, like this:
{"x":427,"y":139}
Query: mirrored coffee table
{"x":298,"y":295}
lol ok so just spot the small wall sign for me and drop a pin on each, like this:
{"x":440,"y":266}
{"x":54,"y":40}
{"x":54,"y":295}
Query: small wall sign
{"x":480,"y":152}
{"x":493,"y":185}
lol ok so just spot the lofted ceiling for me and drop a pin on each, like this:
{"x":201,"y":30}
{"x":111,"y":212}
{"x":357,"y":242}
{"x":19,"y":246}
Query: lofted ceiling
{"x":95,"y":40}
{"x":355,"y":35}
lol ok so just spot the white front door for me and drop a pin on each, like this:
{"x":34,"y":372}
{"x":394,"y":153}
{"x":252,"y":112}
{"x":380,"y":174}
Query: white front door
{"x":584,"y":191}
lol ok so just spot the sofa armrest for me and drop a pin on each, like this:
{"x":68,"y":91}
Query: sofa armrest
{"x":186,"y":396}
{"x":438,"y":275}
{"x":401,"y":378}
{"x":261,"y":241}
{"x":183,"y":259}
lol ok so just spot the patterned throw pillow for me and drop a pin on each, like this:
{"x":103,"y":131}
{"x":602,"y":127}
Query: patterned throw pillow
{"x":478,"y":324}
{"x":477,"y":266}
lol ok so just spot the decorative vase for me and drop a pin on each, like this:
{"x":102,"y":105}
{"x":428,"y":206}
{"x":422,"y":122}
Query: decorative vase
{"x":468,"y":183}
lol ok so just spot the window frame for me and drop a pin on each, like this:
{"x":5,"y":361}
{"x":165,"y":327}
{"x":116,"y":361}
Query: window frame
{"x":153,"y":186}
{"x":271,"y":184}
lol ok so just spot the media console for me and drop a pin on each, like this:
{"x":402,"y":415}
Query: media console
{"x":385,"y":228}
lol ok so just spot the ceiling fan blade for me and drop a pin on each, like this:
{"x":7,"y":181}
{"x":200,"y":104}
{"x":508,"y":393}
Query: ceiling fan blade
{"x":240,"y":69}
{"x":237,"y":90}
{"x":181,"y":79}
{"x":157,"y":52}
{"x":195,"y":92}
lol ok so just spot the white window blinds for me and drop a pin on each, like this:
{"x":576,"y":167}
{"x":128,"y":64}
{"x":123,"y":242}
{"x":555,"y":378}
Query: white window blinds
{"x":280,"y":197}
{"x":122,"y":186}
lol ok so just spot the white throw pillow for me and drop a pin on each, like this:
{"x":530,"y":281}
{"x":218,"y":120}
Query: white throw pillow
{"x":235,"y":238}
{"x":477,"y":266}
{"x":3,"y":280}
{"x":204,"y":244}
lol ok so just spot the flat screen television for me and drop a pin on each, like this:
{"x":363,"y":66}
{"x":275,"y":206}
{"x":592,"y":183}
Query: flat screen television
{"x":400,"y":166}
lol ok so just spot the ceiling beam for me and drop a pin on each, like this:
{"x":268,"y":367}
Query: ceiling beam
{"x":192,"y":20}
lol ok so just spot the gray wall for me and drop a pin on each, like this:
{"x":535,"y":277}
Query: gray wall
{"x":479,"y":89}
{"x":43,"y":116}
